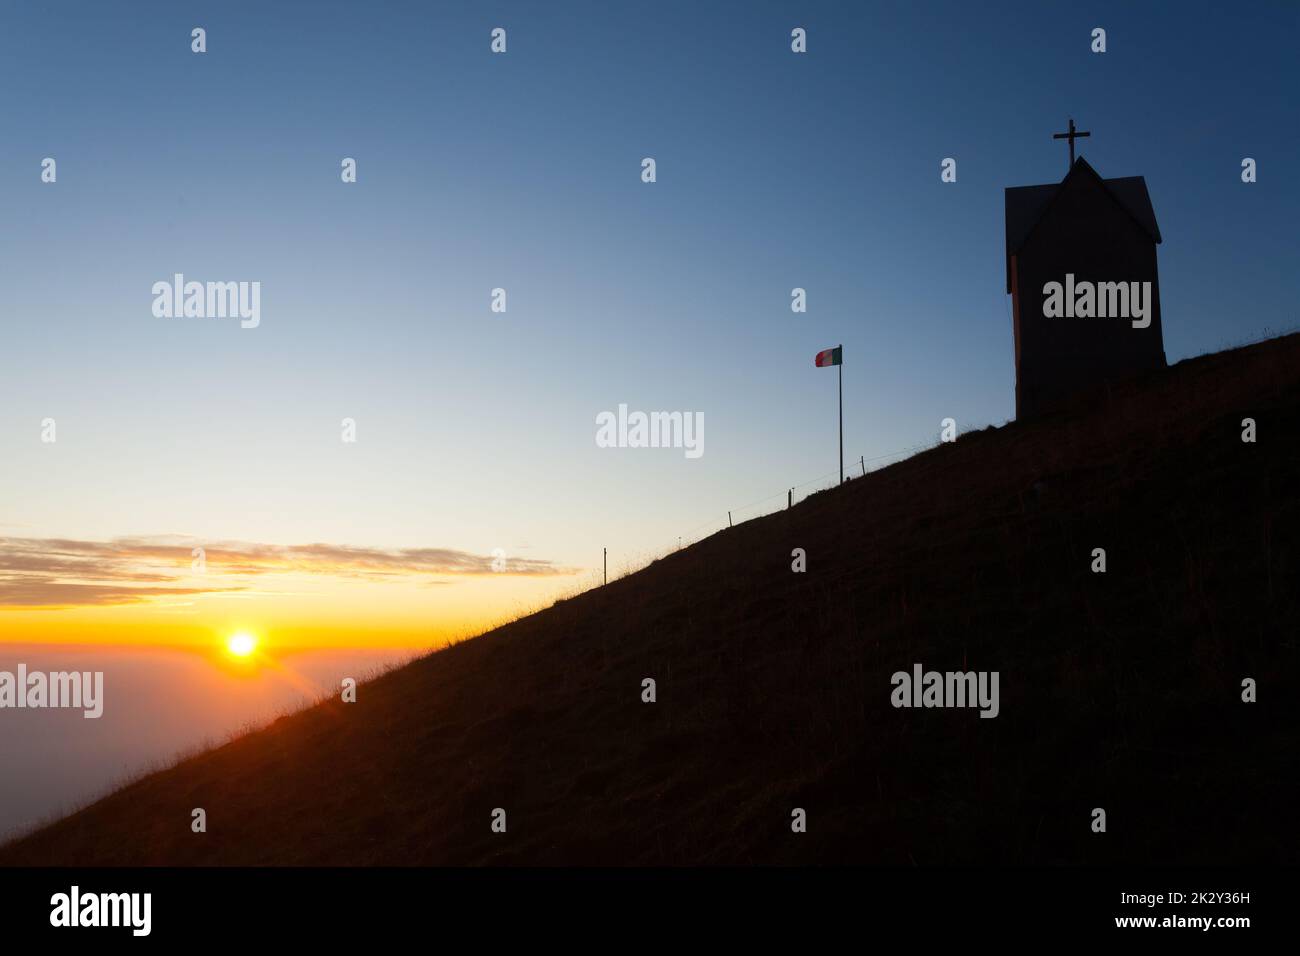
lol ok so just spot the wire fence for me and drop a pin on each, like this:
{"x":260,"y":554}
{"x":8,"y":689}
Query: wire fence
{"x":791,"y":496}
{"x":858,"y":468}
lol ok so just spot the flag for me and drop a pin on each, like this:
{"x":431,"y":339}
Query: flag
{"x":833,"y":356}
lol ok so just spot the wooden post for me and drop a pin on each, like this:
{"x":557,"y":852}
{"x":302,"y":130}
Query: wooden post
{"x":789,"y":498}
{"x":864,"y":466}
{"x":729,"y":519}
{"x":606,"y":551}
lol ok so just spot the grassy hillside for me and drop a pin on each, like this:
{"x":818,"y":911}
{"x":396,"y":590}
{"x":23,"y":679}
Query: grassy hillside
{"x":1119,"y":690}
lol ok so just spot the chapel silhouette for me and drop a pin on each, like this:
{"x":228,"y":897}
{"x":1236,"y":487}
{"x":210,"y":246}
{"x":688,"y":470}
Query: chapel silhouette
{"x":1098,"y":231}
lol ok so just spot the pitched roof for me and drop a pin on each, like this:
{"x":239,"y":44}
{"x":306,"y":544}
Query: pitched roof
{"x":1025,"y":205}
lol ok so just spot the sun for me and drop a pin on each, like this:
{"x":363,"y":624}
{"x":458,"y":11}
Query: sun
{"x":242,"y":644}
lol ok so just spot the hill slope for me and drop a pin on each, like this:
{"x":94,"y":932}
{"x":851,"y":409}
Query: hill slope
{"x":1118,"y":690}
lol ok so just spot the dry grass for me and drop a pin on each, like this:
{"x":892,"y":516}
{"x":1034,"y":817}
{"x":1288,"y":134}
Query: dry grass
{"x":1119,"y":690}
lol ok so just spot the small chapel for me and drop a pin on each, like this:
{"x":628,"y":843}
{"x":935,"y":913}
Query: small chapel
{"x":1081,"y":273}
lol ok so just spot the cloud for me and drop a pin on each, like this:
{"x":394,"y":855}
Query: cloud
{"x":56,"y":594}
{"x":62,"y":572}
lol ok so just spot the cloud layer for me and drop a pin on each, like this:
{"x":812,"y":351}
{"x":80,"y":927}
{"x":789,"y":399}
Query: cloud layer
{"x":61,"y":572}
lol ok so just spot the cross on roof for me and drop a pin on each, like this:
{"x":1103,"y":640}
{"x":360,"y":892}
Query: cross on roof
{"x":1072,"y":135}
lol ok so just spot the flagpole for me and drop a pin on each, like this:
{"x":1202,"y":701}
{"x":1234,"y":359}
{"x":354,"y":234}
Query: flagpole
{"x":841,"y":348}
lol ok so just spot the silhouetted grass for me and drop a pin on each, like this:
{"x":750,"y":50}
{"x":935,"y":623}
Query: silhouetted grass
{"x":1118,"y":690}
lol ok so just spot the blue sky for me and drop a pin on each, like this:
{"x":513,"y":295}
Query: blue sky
{"x":476,"y":430}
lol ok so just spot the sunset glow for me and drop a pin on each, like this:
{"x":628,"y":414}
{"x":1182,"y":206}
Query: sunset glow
{"x":242,"y":644}
{"x":145,"y":590}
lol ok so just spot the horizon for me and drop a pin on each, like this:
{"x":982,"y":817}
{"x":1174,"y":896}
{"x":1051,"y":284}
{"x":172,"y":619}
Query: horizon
{"x":376,"y":296}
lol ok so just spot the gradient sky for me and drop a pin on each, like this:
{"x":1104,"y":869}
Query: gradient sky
{"x":476,"y":430}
